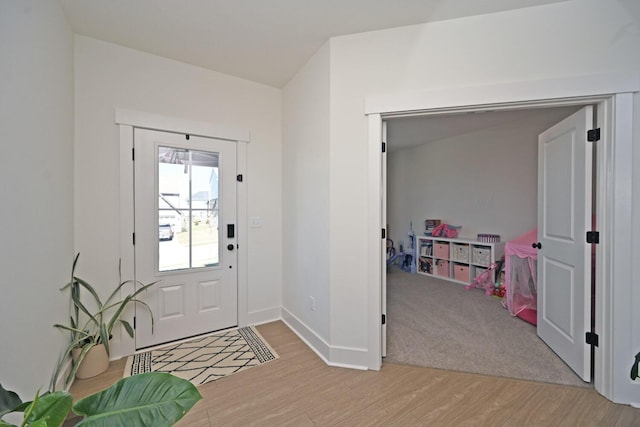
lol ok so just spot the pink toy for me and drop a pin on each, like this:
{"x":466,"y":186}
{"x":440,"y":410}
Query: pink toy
{"x":520,"y":278}
{"x":484,"y":280}
{"x":446,"y":230}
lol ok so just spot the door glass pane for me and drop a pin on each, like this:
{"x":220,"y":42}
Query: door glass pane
{"x":187,"y":209}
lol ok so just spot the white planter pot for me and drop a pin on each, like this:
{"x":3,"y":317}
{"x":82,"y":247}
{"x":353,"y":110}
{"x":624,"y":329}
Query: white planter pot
{"x":94,"y":363}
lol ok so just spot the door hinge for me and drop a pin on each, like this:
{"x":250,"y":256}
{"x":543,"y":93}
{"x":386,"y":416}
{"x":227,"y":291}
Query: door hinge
{"x":591,"y":338}
{"x":593,"y":135}
{"x":593,"y":237}
{"x":384,"y":319}
{"x":384,"y":147}
{"x":239,"y":178}
{"x":133,"y":154}
{"x":133,"y":238}
{"x":384,"y":233}
{"x":134,"y":322}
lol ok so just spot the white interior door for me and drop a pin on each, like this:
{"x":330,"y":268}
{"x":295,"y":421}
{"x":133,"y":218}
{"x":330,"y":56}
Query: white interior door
{"x":564,"y":217}
{"x":185,"y":234}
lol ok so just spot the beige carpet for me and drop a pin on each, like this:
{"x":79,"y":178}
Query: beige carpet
{"x":206,"y":358}
{"x":440,"y":324}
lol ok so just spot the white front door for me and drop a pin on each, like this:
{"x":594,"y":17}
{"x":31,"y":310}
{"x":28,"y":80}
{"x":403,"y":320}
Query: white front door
{"x":185,"y":234}
{"x":564,"y":217}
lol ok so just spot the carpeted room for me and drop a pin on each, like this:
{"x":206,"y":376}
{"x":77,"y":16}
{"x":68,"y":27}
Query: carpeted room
{"x":477,"y":171}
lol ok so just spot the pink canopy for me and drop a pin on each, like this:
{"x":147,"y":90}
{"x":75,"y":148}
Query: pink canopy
{"x":520,"y":278}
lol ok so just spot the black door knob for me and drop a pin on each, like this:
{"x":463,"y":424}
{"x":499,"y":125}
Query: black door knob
{"x":537,"y":245}
{"x":230,"y":246}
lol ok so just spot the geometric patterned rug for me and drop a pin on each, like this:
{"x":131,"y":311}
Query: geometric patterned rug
{"x":204,"y":359}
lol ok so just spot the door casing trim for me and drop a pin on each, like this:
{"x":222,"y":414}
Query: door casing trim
{"x":615,"y":93}
{"x":127,"y":121}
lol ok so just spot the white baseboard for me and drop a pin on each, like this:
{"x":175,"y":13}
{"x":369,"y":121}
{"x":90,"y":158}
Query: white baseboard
{"x":341,"y":357}
{"x":264,"y":316}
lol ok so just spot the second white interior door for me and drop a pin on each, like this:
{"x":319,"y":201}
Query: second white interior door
{"x":564,"y":217}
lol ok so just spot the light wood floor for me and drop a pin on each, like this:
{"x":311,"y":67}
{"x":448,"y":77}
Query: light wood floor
{"x":298,"y":389}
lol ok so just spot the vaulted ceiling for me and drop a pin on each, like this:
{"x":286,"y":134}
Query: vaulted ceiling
{"x":266,"y":41}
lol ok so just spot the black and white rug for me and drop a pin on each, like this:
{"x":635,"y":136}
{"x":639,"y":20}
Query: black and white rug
{"x":206,"y":358}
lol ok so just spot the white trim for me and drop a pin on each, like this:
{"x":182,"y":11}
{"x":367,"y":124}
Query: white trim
{"x":620,"y":305}
{"x":341,"y":357}
{"x":604,"y":120}
{"x":243,"y":241}
{"x":145,"y":120}
{"x":375,"y":224}
{"x":306,"y":334}
{"x":264,"y":316}
{"x":122,"y":345}
{"x":520,"y":93}
{"x":615,"y":276}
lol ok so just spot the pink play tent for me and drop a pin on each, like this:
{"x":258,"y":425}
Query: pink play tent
{"x":520,"y":276}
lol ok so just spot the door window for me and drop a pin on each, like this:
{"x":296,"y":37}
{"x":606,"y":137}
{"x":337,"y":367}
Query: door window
{"x":188,"y":209}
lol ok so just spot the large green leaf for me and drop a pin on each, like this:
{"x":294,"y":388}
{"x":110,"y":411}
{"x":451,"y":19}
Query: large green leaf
{"x":151,"y":399}
{"x":50,"y":409}
{"x":9,"y":400}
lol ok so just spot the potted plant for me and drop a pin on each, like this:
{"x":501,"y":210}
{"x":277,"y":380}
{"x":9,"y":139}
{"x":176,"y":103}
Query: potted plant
{"x":91,"y":330}
{"x":151,"y":399}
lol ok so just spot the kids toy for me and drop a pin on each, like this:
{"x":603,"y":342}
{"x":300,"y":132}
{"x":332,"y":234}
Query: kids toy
{"x":485,"y":280}
{"x":446,"y":230}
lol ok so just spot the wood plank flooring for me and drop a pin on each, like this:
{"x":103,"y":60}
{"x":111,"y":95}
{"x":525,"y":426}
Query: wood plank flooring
{"x":298,"y":389}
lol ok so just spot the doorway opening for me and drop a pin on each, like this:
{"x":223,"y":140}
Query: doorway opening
{"x":478,"y":170}
{"x":614,"y":269}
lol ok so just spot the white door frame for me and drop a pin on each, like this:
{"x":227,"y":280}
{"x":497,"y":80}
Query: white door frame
{"x":615,"y":94}
{"x":127,"y":120}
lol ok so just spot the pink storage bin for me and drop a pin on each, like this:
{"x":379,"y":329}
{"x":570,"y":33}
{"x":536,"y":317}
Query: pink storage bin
{"x":461,"y":272}
{"x":442,"y":268}
{"x":441,"y":250}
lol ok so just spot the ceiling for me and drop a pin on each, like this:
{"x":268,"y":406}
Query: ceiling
{"x":259,"y":40}
{"x":408,"y":132}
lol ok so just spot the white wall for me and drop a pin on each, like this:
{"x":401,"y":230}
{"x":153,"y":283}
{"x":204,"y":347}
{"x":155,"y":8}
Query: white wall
{"x":486,"y":181}
{"x":110,"y":76}
{"x":489,"y":49}
{"x":630,"y":339}
{"x":36,"y":171}
{"x":481,"y":50}
{"x":306,"y":195}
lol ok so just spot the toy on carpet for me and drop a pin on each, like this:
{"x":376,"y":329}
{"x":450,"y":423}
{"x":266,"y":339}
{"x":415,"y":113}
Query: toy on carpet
{"x":405,"y":255}
{"x":485,"y":280}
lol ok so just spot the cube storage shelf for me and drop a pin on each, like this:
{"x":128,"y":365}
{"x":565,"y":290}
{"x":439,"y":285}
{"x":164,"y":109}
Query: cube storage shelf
{"x":458,"y":260}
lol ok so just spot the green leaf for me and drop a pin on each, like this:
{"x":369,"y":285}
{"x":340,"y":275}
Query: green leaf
{"x":77,"y":302}
{"x":151,"y":399}
{"x":127,"y":327}
{"x":90,"y":288}
{"x":50,"y":409}
{"x":9,"y":401}
{"x":5,"y":424}
{"x":78,"y":361}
